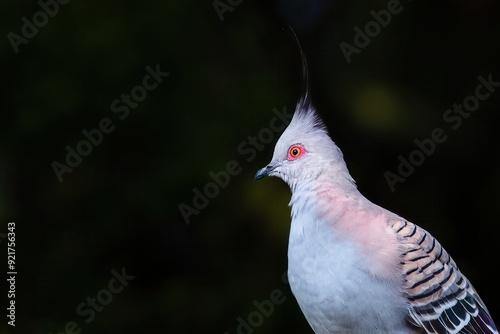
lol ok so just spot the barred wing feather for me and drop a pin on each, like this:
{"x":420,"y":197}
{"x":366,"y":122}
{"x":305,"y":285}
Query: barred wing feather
{"x":441,"y":299}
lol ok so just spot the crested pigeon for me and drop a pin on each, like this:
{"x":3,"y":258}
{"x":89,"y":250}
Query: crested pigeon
{"x":353,"y":266}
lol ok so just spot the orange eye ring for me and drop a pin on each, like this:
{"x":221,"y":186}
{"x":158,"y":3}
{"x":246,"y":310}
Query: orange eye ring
{"x":295,"y":151}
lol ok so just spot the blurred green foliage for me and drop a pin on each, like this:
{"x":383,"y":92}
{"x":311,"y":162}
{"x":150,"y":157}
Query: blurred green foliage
{"x":119,"y":207}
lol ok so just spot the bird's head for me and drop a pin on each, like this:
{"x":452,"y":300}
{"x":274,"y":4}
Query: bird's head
{"x":305,"y":151}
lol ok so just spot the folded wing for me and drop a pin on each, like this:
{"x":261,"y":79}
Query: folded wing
{"x":440,"y":297}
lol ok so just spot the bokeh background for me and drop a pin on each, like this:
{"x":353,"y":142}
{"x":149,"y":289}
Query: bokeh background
{"x":120,"y":206}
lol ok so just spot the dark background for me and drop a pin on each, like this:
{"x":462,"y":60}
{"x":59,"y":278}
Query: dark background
{"x":119,"y":207}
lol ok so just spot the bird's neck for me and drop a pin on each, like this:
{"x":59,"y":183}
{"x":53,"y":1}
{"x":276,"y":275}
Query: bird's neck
{"x":326,"y":196}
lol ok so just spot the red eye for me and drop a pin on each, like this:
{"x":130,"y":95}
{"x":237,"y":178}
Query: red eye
{"x":295,"y":151}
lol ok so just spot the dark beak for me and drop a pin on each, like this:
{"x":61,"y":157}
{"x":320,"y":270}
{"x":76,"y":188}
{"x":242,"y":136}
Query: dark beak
{"x":263,"y":172}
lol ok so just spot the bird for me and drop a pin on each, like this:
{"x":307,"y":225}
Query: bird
{"x":354,"y":266}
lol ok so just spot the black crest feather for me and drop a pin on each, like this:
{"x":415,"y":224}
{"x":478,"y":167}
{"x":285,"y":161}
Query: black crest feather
{"x":305,"y":102}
